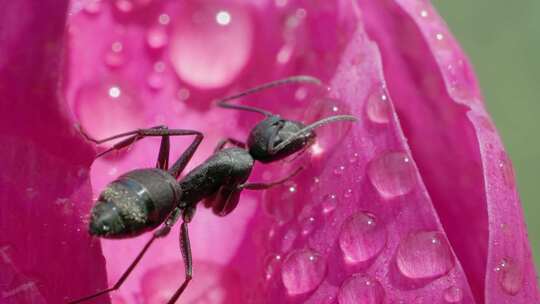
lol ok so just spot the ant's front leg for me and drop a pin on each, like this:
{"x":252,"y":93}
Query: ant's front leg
{"x":263,"y":186}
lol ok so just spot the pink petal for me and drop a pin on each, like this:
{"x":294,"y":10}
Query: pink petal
{"x":405,"y":205}
{"x":45,"y":192}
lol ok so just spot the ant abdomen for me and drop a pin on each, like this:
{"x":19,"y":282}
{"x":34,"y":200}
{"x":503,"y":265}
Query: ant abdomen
{"x":136,"y":202}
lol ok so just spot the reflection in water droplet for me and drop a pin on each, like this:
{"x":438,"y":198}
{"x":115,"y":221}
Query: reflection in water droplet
{"x":392,"y":174}
{"x":378,"y":108}
{"x":156,"y":37}
{"x":329,"y":203}
{"x":362,"y":238}
{"x":510,"y":276}
{"x":361,"y":289}
{"x":107,"y":108}
{"x":303,"y":270}
{"x":210,"y":45}
{"x":423,"y":255}
{"x":453,"y":294}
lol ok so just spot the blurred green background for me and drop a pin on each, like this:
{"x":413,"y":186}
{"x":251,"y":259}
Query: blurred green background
{"x":502,"y":39}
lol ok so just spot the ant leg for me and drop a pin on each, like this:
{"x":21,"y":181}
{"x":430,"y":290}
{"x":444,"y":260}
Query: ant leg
{"x":274,"y":149}
{"x":263,"y":186}
{"x":163,"y":155}
{"x":185,"y":247}
{"x":293,"y":79}
{"x":232,"y":141}
{"x":161,"y":232}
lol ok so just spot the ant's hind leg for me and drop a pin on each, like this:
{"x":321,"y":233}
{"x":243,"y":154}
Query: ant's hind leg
{"x":185,"y":247}
{"x":161,"y":232}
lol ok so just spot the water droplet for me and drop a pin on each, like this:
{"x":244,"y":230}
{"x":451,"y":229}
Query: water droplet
{"x":362,"y":238}
{"x":392,"y":174}
{"x":423,"y":255}
{"x":157,"y":37}
{"x":273,"y":261}
{"x":378,"y":108}
{"x":510,"y":276}
{"x":164,"y":19}
{"x":354,"y":158}
{"x":281,"y":202}
{"x":507,"y":169}
{"x":288,"y":240}
{"x":453,"y":294}
{"x":280,"y":3}
{"x":339,"y":170}
{"x":115,"y":56}
{"x":329,"y":203}
{"x":106,"y":109}
{"x":308,"y":225}
{"x":93,"y":7}
{"x":211,"y":45}
{"x":155,"y":81}
{"x":361,"y":289}
{"x":347,"y":193}
{"x":302,"y":271}
{"x":424,"y":13}
{"x":124,"y":6}
{"x":284,"y":54}
{"x":183,"y":94}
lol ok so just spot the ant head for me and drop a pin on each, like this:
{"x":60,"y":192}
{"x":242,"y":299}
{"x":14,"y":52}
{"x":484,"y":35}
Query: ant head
{"x":275,"y":138}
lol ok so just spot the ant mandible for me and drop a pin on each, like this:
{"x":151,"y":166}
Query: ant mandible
{"x":143,"y":199}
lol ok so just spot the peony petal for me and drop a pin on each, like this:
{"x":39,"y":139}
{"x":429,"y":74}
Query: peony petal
{"x":46,"y":255}
{"x":404,"y":205}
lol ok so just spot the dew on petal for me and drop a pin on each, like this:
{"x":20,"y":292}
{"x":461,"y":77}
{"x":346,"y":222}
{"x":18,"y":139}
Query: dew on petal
{"x":93,"y":7}
{"x":361,"y":289}
{"x":392,"y":174}
{"x":124,"y":6}
{"x":106,"y":109}
{"x":453,"y":294}
{"x":510,"y":276}
{"x":115,"y":56}
{"x":424,"y":255}
{"x":281,"y":202}
{"x":329,"y":203}
{"x":505,"y":164}
{"x":308,"y":225}
{"x":302,"y":271}
{"x":157,"y":37}
{"x":378,"y":108}
{"x":164,"y":19}
{"x":210,"y":45}
{"x":362,"y":237}
{"x":155,"y":81}
{"x":272,"y":262}
{"x":288,"y":240}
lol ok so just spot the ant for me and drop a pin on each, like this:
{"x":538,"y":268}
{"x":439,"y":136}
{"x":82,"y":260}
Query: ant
{"x":143,"y":199}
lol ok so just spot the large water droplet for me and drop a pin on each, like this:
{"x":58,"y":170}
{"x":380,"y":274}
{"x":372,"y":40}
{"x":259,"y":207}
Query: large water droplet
{"x":510,"y":276}
{"x":453,"y":294}
{"x":303,"y":270}
{"x":378,"y":108}
{"x":210,"y":44}
{"x":423,"y":255}
{"x":281,"y":202}
{"x":392,"y":174}
{"x":107,"y":109}
{"x":362,"y":237}
{"x":361,"y":289}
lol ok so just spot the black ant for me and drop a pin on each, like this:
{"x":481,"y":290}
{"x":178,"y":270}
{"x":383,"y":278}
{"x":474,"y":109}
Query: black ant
{"x":143,"y":199}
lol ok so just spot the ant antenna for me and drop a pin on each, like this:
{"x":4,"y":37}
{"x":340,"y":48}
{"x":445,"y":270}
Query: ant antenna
{"x":293,"y":79}
{"x":313,"y":126}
